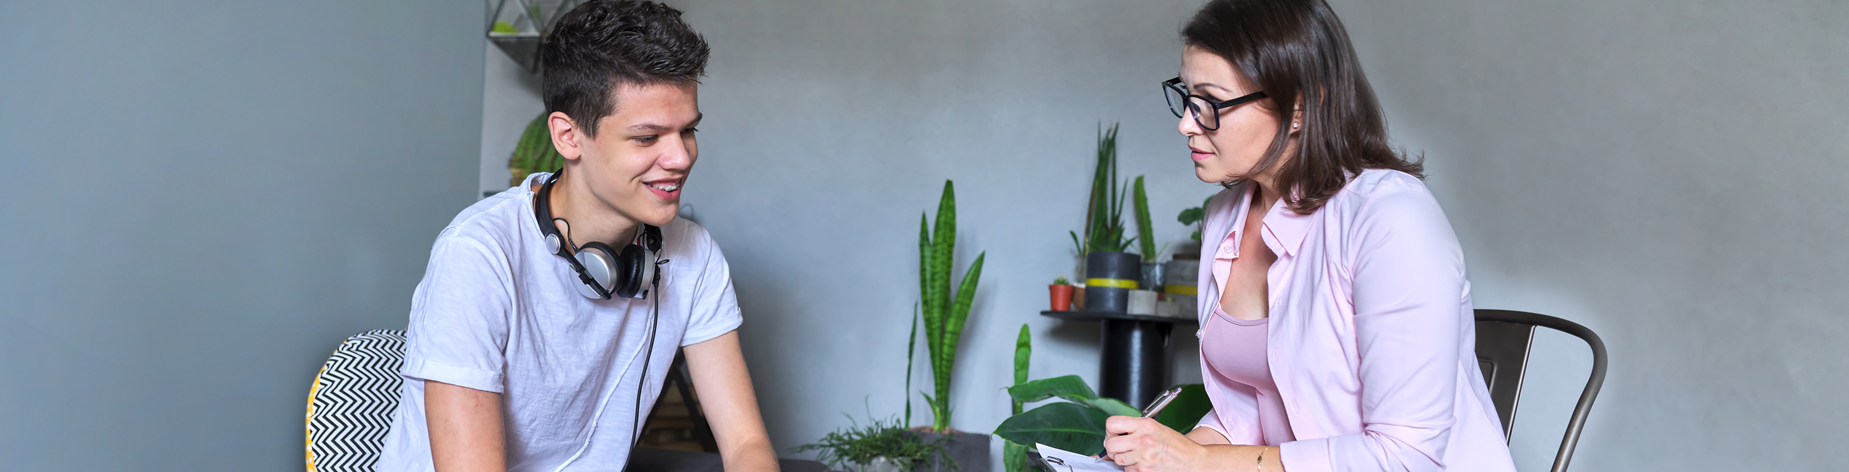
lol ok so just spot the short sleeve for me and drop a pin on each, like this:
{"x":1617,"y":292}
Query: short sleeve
{"x":714,"y":307}
{"x":459,"y":316}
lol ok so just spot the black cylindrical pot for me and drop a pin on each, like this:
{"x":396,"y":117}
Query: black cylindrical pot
{"x":1109,"y":277}
{"x":1138,"y":373}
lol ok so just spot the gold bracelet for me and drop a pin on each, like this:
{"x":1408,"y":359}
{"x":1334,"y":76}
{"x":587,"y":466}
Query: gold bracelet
{"x":1261,"y":458}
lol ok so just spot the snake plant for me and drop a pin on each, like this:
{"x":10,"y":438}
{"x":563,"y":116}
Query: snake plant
{"x":944,"y":312}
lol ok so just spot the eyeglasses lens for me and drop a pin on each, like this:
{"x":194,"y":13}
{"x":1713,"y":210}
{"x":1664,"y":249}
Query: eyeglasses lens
{"x":1204,"y":113}
{"x":1176,"y":100}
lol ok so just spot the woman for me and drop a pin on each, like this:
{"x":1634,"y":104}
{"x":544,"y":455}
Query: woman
{"x":1341,"y":336}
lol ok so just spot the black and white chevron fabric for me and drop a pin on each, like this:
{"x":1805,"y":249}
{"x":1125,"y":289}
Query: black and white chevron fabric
{"x":351,"y":403}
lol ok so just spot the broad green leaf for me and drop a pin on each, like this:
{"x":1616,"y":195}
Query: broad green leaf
{"x":1014,"y":457}
{"x":1186,"y":409}
{"x":1069,"y":387}
{"x":1113,"y":407}
{"x":1068,"y":426}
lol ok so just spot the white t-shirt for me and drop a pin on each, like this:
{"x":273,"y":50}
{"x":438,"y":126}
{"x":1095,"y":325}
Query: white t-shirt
{"x":496,"y":312}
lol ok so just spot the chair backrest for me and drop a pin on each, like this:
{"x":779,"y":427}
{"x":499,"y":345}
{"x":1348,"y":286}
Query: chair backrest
{"x":1503,"y":341}
{"x":351,"y":402}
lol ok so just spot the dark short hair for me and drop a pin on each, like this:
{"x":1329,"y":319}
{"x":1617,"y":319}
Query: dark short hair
{"x":1292,"y":48}
{"x":603,"y":44}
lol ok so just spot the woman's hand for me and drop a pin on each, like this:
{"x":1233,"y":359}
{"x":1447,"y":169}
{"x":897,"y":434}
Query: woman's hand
{"x":1144,"y":445}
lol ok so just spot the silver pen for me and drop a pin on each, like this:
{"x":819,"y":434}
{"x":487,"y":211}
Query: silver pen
{"x":1161,"y":402}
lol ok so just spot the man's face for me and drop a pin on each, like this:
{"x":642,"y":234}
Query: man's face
{"x":642,"y":154}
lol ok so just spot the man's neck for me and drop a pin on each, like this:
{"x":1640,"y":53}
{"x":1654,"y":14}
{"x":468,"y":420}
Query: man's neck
{"x":586,"y":218}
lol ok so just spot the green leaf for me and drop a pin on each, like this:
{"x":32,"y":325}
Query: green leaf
{"x":1145,"y":230}
{"x":1014,"y":457}
{"x":1023,"y":349}
{"x":933,"y":314}
{"x":1113,"y":407}
{"x":911,"y":348}
{"x":1068,"y":426}
{"x":1186,"y":409}
{"x":1069,"y":387}
{"x":944,"y":355}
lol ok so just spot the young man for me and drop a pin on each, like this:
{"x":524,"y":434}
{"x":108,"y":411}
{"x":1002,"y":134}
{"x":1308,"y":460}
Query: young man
{"x":515,"y":361}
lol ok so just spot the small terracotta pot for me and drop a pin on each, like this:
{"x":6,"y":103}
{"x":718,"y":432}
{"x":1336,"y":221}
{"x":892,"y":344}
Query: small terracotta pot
{"x":1062,"y":297}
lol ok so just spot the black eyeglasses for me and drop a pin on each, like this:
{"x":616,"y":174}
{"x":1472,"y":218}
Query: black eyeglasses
{"x":1181,"y":103}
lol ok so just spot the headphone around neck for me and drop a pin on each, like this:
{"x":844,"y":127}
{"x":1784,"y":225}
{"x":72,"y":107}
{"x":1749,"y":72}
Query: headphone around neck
{"x":603,"y":271}
{"x":601,"y":276}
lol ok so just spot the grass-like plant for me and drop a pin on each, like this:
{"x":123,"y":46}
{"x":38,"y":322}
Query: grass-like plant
{"x":944,"y":312}
{"x":887,"y":438}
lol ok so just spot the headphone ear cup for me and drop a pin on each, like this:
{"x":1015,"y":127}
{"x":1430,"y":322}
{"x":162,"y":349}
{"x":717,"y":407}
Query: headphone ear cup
{"x":599,"y":266}
{"x":633,"y":266}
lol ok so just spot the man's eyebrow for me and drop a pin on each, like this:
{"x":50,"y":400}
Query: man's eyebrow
{"x":657,"y":127}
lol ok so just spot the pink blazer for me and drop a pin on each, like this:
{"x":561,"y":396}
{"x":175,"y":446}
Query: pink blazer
{"x":1372,"y":338}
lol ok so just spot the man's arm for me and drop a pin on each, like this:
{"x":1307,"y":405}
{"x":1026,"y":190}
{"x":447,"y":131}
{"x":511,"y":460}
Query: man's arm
{"x":731,"y":406}
{"x":465,"y":428}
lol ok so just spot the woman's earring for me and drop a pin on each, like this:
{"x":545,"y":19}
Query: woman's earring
{"x":1293,"y":125}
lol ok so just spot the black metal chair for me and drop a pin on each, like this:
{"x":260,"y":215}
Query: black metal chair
{"x":1503,"y":340}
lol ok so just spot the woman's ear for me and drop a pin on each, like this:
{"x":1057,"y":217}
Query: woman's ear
{"x":1296,"y":115}
{"x":566,"y":135}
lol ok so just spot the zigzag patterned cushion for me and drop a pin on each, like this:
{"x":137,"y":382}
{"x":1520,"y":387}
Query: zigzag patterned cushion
{"x":351,"y":402}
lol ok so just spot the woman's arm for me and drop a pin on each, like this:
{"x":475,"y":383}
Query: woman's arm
{"x":465,"y":428}
{"x":1144,"y":445}
{"x":731,"y":407}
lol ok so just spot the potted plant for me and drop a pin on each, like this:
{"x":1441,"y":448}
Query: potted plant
{"x":1180,"y":275}
{"x":879,"y":446}
{"x":944,"y":316}
{"x":1078,"y":424}
{"x":1110,"y":272}
{"x":534,"y":152}
{"x":1061,"y":293}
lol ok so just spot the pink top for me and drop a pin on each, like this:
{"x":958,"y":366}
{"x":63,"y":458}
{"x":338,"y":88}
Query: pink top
{"x":1371,"y":340}
{"x":1236,"y":349}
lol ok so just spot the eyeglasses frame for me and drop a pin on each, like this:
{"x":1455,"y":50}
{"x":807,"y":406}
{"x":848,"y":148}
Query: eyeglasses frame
{"x":1175,"y":84}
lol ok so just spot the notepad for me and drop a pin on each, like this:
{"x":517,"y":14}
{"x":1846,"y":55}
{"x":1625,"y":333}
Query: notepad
{"x":1060,"y":460}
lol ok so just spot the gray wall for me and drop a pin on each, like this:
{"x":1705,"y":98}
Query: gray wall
{"x":203,"y":199}
{"x":1666,"y":173}
{"x":830,"y":128}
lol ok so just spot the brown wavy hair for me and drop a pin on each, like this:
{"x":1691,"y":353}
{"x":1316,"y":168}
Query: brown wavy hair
{"x":603,"y":44}
{"x":1292,"y":48}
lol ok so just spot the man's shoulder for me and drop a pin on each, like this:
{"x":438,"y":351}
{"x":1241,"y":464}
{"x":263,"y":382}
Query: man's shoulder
{"x":497,"y":219}
{"x":683,"y":236}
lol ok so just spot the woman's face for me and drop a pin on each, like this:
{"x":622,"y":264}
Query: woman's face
{"x":1246,"y":130}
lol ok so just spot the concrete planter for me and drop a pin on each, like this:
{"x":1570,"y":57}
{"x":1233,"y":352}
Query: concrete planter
{"x":970,"y":450}
{"x":1109,"y":278}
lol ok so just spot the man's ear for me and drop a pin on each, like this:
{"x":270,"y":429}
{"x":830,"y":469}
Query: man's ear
{"x":566,"y":136}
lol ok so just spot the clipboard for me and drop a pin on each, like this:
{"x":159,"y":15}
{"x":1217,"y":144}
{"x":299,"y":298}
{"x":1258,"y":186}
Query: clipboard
{"x":1053,"y":459}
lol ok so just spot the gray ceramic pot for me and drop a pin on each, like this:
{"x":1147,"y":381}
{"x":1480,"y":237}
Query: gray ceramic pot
{"x":970,"y":450}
